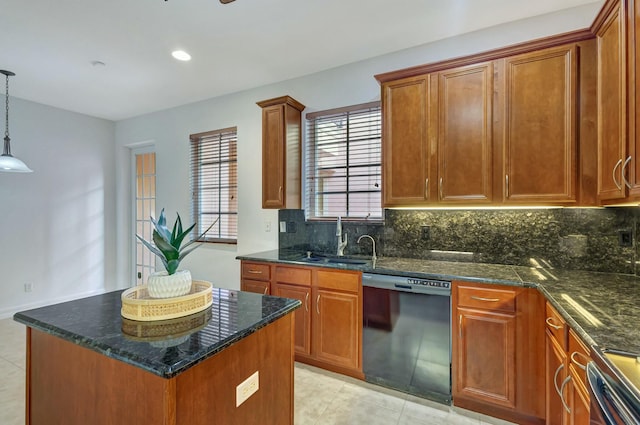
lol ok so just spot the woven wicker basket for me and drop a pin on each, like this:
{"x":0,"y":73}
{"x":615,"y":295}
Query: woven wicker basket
{"x":138,"y":305}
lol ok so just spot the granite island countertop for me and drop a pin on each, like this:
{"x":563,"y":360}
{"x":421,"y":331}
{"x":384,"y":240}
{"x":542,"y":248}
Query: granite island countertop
{"x":601,"y":307}
{"x":95,"y":323}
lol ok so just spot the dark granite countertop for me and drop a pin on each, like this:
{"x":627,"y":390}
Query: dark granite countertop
{"x":96,"y":323}
{"x":602,"y":308}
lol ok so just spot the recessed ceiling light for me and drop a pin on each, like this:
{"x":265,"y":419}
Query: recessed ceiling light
{"x":181,"y":55}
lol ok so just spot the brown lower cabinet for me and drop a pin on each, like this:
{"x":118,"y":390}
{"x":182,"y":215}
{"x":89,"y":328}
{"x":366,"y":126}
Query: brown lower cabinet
{"x":328,"y":326}
{"x":567,"y":397}
{"x":497,"y":360}
{"x":255,"y":277}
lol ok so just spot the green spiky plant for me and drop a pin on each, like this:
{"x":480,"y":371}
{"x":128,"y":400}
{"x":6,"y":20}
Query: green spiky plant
{"x":167,"y":243}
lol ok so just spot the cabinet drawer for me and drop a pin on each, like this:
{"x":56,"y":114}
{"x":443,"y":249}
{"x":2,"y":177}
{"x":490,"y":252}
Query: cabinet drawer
{"x":295,"y":275}
{"x":487,"y":298}
{"x":578,"y":356}
{"x":556,"y":326}
{"x":256,"y":271}
{"x":342,"y":281}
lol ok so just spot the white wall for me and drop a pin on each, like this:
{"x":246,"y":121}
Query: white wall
{"x":346,"y":85}
{"x":57,"y":224}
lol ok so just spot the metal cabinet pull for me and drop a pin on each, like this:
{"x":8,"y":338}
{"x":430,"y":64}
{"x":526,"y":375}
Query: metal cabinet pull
{"x":426,"y":188}
{"x":577,"y":363}
{"x":318,"y":304}
{"x":613,"y":174}
{"x":460,"y":327}
{"x":624,"y":179}
{"x":564,"y":403}
{"x":490,"y":300}
{"x":306,"y":302}
{"x":506,"y":179}
{"x":280,"y":193}
{"x":266,"y":288}
{"x":555,"y":379}
{"x":254,"y":271}
{"x":441,"y":193}
{"x":548,"y":321}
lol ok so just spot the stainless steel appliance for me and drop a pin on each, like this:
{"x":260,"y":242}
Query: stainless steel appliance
{"x":613,"y":400}
{"x":406,"y":343}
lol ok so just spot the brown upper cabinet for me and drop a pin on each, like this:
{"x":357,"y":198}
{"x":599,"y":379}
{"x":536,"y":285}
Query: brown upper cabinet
{"x":538,"y":126}
{"x":281,"y":152}
{"x":616,"y":29}
{"x":499,"y":127}
{"x":437,"y":137}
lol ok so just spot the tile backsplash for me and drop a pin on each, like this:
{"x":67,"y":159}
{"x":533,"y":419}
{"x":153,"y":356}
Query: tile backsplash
{"x":596,"y":239}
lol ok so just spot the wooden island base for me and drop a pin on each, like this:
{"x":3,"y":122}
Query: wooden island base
{"x":68,"y":384}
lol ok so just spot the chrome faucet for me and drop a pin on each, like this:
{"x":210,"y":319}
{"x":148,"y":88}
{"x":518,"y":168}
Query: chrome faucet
{"x":342,"y":243}
{"x":373,"y":256}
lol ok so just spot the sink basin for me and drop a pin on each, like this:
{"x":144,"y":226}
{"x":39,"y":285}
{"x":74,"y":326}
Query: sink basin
{"x":318,"y":259}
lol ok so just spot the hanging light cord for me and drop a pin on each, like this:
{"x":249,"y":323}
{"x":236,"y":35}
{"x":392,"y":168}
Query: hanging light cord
{"x":6,"y":117}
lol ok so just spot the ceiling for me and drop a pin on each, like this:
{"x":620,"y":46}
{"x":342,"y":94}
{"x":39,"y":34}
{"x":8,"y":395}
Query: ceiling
{"x":51,"y":45}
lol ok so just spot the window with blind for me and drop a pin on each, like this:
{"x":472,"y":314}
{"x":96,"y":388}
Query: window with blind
{"x":214,"y":184}
{"x":342,"y":157}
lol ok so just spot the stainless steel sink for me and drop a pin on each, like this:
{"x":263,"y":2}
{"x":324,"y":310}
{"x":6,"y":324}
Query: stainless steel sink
{"x":321,"y":259}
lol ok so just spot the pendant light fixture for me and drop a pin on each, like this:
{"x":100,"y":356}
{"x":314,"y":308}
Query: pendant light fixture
{"x":9,"y":163}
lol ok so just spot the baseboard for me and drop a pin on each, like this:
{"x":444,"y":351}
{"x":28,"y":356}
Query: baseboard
{"x":10,"y":311}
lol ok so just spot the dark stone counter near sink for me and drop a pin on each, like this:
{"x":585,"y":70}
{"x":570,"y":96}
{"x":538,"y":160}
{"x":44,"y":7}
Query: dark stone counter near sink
{"x":602,"y":308}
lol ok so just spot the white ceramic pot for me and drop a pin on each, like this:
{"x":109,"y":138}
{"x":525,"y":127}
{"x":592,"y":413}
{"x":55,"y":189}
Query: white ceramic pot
{"x":162,"y":285}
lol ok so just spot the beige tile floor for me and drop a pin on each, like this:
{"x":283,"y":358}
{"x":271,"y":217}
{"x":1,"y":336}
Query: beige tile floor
{"x":321,"y":397}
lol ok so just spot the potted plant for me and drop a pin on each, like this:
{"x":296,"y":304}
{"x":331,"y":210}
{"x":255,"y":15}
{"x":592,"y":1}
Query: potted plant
{"x":167,"y":246}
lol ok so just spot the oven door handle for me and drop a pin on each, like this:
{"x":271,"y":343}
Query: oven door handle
{"x":599,"y":386}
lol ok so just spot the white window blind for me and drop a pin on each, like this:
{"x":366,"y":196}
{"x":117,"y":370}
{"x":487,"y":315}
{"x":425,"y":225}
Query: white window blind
{"x":214,"y":184}
{"x":342,"y":157}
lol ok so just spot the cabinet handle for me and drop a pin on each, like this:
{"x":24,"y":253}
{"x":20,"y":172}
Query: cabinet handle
{"x":613,"y":174}
{"x":506,"y":181}
{"x":254,"y":271}
{"x":441,"y":195}
{"x":460,"y":326}
{"x":490,"y":300}
{"x":624,"y":179}
{"x":426,"y":188}
{"x":266,"y":288}
{"x":306,"y":302}
{"x":555,"y":379}
{"x":280,"y":194}
{"x":577,"y":363}
{"x":564,"y":403}
{"x":318,"y":304}
{"x":548,"y":321}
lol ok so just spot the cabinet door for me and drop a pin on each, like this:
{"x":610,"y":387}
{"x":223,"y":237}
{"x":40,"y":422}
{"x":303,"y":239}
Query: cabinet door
{"x":257,"y":286}
{"x":539,"y":126}
{"x":404,"y":142}
{"x":612,"y":104}
{"x":579,"y":403}
{"x":273,"y":171}
{"x":337,"y":328}
{"x":464,"y":133}
{"x":302,"y":315}
{"x":555,"y":371}
{"x":484,"y":351}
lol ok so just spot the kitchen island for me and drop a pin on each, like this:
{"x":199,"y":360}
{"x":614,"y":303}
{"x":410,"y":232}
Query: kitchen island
{"x":87,"y":364}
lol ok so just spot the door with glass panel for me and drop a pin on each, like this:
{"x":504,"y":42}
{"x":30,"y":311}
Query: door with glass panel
{"x":144,"y":206}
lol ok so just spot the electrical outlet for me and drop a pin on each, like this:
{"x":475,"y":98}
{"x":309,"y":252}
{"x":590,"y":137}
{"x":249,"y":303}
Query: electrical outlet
{"x":292,"y":227}
{"x":625,"y":238}
{"x":28,"y":287}
{"x":247,"y":388}
{"x":283,"y":227}
{"x":426,"y":233}
{"x":267,"y":226}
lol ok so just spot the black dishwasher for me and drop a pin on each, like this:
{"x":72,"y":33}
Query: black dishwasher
{"x":406,"y":341}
